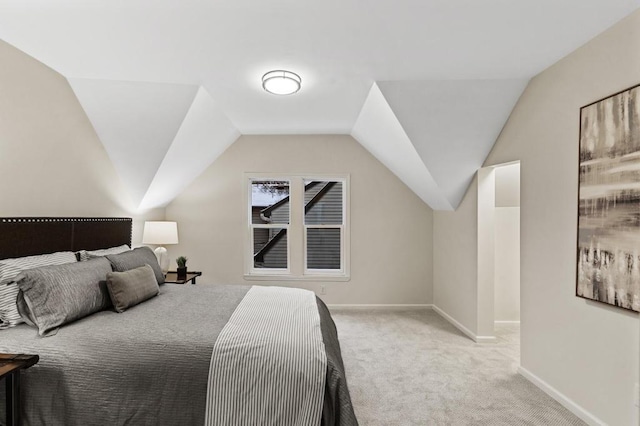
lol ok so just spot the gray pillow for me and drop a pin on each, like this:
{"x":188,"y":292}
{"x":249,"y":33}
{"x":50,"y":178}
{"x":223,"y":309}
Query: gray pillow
{"x":84,"y":255}
{"x":136,"y":258}
{"x":10,"y":269}
{"x":52,"y":296}
{"x":132,"y":287}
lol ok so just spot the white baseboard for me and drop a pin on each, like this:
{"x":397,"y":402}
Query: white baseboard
{"x":569,"y":404}
{"x":379,"y":307}
{"x":506,"y":322}
{"x":485,"y":339}
{"x":465,"y":330}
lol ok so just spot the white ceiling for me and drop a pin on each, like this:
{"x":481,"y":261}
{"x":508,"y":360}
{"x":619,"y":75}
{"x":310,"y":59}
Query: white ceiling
{"x":378,"y":130}
{"x":136,"y":122}
{"x":453,"y":124}
{"x":204,"y":134}
{"x":339,"y":47}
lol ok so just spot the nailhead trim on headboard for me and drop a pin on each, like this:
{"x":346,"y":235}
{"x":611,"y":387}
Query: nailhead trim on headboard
{"x":25,"y":236}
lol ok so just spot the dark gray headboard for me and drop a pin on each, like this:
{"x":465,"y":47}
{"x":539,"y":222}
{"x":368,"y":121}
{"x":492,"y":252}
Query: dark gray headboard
{"x":26,"y":236}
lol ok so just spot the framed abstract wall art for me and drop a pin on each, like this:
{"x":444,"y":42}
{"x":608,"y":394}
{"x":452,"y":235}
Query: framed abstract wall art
{"x":608,"y":254}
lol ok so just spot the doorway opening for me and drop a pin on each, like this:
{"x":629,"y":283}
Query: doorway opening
{"x":498,"y":247}
{"x":507,"y":245}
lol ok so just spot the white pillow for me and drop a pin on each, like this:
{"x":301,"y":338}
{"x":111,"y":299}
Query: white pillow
{"x":9,"y":270}
{"x":88,"y":254}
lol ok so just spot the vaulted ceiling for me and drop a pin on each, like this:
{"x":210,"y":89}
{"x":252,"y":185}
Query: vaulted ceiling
{"x":425,"y":85}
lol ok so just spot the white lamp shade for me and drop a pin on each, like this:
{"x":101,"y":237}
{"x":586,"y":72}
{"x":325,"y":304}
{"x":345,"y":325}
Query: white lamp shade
{"x":160,"y":233}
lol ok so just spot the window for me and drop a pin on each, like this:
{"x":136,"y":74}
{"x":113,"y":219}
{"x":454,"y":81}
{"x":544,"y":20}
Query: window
{"x":323,"y":225}
{"x":270,"y":212}
{"x":297,"y":227}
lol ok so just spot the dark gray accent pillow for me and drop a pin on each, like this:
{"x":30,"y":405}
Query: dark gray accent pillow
{"x":56,"y":295}
{"x":132,"y":287}
{"x":136,"y":258}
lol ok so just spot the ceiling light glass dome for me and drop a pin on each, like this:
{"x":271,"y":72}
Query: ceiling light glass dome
{"x":281,"y":82}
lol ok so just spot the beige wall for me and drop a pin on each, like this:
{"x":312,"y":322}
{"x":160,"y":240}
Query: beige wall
{"x":455,"y":257}
{"x":594,"y":360}
{"x":391,"y":228}
{"x":507,"y":264}
{"x":586,"y":351}
{"x":51,"y":161}
{"x":507,"y":243}
{"x":508,"y":185}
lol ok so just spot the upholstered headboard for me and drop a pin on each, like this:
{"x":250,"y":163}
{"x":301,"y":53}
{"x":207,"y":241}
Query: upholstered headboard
{"x":26,"y":236}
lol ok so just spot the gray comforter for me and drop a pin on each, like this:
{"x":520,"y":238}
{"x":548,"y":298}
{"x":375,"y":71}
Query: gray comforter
{"x":147,"y":366}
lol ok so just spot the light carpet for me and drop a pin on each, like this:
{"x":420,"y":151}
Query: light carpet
{"x":414,"y":368}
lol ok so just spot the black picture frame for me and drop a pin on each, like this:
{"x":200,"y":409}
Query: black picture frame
{"x":608,"y":234}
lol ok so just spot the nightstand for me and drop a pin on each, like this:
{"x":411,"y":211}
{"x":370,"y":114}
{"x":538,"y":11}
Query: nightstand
{"x":172,"y":277}
{"x":10,"y":367}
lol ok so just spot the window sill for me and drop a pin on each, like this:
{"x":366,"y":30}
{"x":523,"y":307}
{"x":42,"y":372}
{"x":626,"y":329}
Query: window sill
{"x":326,"y":278}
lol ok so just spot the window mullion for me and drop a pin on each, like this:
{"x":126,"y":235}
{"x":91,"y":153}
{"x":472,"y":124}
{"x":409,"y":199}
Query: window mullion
{"x":296,"y":236}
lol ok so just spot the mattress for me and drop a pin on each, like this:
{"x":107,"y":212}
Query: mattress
{"x":147,"y":366}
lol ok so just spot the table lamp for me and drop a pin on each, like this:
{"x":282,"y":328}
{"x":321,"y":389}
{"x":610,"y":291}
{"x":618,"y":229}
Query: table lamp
{"x":160,"y":233}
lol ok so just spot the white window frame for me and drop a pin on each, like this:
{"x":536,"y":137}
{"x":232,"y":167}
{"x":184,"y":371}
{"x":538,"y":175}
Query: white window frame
{"x":343,"y":247}
{"x":252,"y":270}
{"x":297,"y":231}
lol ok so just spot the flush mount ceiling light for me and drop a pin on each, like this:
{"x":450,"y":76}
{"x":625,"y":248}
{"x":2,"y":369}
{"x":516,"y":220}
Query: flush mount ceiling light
{"x":280,"y":82}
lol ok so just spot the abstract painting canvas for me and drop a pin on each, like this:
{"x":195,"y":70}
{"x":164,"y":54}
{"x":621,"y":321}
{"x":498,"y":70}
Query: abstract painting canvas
{"x":609,"y":201}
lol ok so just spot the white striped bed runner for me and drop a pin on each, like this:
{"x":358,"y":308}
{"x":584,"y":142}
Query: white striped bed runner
{"x":268,"y":365}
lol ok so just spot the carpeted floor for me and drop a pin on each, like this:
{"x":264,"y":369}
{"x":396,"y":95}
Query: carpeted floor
{"x":414,"y":368}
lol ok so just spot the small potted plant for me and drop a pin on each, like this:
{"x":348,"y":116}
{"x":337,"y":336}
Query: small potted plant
{"x":182,"y":267}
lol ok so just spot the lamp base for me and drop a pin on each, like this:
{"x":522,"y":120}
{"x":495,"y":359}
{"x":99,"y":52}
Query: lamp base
{"x":163,"y":259}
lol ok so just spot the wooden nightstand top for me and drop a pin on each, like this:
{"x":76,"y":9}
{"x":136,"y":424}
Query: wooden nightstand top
{"x":172,"y":277}
{"x":11,"y":362}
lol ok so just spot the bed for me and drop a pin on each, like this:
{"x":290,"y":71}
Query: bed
{"x":153,"y":364}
